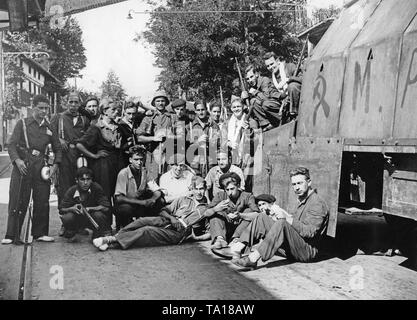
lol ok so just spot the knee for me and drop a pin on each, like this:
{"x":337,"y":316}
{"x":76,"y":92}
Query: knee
{"x":67,"y":218}
{"x":123,"y":210}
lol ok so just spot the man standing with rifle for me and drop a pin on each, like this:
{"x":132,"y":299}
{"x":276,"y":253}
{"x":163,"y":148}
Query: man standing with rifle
{"x":85,"y":206}
{"x":27,"y":149}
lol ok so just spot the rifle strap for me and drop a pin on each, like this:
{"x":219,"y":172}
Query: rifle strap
{"x":25,"y":134}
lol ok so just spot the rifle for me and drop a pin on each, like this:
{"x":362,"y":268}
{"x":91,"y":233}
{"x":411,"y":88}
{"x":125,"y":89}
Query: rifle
{"x":89,"y":217}
{"x":242,"y":84}
{"x":224,"y":110}
{"x":297,"y":69}
{"x":17,"y":211}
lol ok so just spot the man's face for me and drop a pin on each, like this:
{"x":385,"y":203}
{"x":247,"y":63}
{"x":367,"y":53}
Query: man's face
{"x":252,"y":78}
{"x":41,"y":110}
{"x":177,"y":170}
{"x":112,"y":111}
{"x":301,"y":185}
{"x":272,"y":64}
{"x":199,"y":191}
{"x":216,"y":113}
{"x":223,"y":160}
{"x":84,"y":182}
{"x":129,"y":114}
{"x":237,"y":108}
{"x":180,"y":111}
{"x":201,"y":111}
{"x":92,"y":107}
{"x":160,"y":103}
{"x":264,"y":206}
{"x":137,"y":161}
{"x":232,"y":191}
{"x":73,"y":104}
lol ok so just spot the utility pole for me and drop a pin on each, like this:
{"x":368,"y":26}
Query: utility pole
{"x":3,"y":131}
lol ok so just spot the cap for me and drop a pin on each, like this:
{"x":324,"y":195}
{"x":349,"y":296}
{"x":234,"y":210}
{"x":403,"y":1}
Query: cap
{"x":265,"y":197}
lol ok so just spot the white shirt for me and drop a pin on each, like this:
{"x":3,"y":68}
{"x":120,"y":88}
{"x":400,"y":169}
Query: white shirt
{"x":175,"y":187}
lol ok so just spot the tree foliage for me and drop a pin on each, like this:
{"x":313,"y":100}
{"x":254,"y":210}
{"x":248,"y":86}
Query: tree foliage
{"x":112,"y":88}
{"x":64,"y":46}
{"x":198,"y":50}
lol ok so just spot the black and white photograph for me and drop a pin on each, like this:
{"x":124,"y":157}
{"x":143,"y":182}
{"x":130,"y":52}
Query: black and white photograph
{"x":208,"y":156}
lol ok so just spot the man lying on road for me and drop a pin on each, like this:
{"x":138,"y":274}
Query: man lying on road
{"x":172,"y":226}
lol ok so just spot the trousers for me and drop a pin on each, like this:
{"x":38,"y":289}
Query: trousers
{"x":149,"y":232}
{"x":221,"y":227}
{"x":19,"y":196}
{"x":277,"y":235}
{"x":74,"y":222}
{"x":267,"y":112}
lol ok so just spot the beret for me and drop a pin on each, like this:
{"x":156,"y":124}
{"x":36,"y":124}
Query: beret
{"x":265,"y":197}
{"x":178,"y":103}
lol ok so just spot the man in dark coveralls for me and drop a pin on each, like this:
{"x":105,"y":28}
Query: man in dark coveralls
{"x":27,"y":147}
{"x":69,"y":126}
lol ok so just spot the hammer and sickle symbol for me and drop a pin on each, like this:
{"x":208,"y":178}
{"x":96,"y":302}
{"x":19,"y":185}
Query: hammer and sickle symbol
{"x":320,"y":96}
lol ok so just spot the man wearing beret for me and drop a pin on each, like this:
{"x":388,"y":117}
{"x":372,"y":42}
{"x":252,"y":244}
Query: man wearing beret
{"x":298,"y":234}
{"x":181,"y":125}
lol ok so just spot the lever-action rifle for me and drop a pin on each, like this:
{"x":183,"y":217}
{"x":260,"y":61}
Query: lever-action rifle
{"x":89,"y":217}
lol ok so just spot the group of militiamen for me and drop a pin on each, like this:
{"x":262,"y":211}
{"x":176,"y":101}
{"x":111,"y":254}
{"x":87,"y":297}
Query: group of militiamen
{"x":166,"y":174}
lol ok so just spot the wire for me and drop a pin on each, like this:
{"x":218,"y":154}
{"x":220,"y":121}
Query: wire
{"x":212,"y":11}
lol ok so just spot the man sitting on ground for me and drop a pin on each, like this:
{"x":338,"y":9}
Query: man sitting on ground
{"x":136,"y":194}
{"x":176,"y":182}
{"x":231,"y":211}
{"x":91,"y":196}
{"x":172,"y":226}
{"x":298,"y":234}
{"x":223,"y":166}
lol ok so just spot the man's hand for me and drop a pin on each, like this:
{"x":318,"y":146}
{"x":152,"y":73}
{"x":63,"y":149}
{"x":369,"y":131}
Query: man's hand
{"x":176,"y":224}
{"x":20,"y":164}
{"x":245,"y":124}
{"x":221,"y":206}
{"x":244,"y":95}
{"x":75,"y":209}
{"x":101,"y":154}
{"x":253,"y":91}
{"x":64,"y":144}
{"x":203,"y":138}
{"x":148,"y":202}
{"x":53,"y":170}
{"x":233,"y":215}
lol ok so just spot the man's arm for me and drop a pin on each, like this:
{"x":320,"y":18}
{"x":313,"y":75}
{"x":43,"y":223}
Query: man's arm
{"x":252,"y":209}
{"x":315,"y":216}
{"x":267,"y":90}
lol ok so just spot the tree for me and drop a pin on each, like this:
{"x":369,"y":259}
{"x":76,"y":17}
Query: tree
{"x":196,"y":50}
{"x":112,"y":88}
{"x":64,"y":45}
{"x":325,"y":13}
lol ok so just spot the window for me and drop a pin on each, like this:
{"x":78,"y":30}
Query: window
{"x":30,"y":70}
{"x":30,"y":87}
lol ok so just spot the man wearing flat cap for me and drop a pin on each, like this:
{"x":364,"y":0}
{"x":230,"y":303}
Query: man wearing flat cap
{"x":176,"y":182}
{"x":136,"y":194}
{"x":156,"y":128}
{"x":298,"y":234}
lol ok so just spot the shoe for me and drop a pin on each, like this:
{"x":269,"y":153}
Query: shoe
{"x":83,"y":232}
{"x":226,"y":253}
{"x":6,"y":241}
{"x":245,"y":264}
{"x":45,"y":239}
{"x":61,"y":232}
{"x":103,"y":247}
{"x":219,"y":243}
{"x":98,"y":242}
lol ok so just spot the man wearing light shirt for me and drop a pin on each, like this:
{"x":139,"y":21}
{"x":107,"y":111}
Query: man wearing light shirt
{"x":285,"y":80}
{"x":176,"y":182}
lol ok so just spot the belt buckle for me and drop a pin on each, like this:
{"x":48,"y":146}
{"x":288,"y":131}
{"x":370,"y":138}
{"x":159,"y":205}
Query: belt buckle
{"x":35,"y":153}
